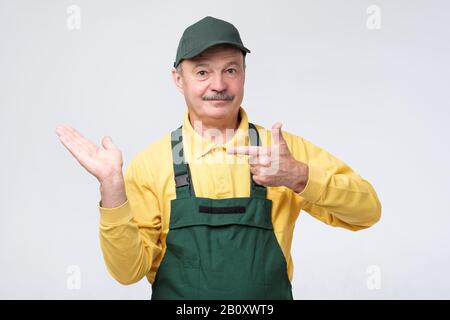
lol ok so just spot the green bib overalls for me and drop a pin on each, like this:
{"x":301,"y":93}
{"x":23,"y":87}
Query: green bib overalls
{"x":220,"y":248}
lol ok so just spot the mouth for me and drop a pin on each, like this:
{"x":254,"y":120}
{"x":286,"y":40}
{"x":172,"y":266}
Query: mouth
{"x":219,"y":101}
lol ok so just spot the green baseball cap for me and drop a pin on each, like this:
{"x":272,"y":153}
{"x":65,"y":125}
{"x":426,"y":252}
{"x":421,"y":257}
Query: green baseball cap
{"x":206,"y":33}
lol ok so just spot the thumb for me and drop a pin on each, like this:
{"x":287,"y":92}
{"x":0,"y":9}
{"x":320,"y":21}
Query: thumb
{"x":277,"y":135}
{"x":107,"y":143}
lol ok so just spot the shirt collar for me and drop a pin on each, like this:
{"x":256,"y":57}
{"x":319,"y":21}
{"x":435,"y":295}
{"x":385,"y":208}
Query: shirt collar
{"x":199,"y":146}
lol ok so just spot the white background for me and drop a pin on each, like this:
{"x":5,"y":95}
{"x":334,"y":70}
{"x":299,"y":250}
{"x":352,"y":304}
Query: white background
{"x":377,"y":99}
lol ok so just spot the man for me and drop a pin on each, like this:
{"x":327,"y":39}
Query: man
{"x":208,"y":211}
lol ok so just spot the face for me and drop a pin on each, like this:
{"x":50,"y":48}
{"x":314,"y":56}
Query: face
{"x":213,"y":83}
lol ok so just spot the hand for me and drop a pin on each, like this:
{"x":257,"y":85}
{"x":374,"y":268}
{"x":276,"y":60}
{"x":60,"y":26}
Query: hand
{"x":275,"y":166}
{"x":104,"y":163}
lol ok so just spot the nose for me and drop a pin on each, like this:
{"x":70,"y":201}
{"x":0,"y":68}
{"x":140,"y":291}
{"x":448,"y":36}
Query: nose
{"x":218,"y":84}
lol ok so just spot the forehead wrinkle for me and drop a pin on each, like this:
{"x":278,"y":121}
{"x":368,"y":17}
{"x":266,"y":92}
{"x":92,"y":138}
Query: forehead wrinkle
{"x":205,"y":64}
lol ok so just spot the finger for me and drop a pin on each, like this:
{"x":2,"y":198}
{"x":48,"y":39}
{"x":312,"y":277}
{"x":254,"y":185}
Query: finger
{"x":277,"y":135}
{"x":73,"y":147}
{"x":261,"y":160}
{"x":254,"y":170}
{"x":107,"y":143}
{"x":80,"y":155}
{"x":252,"y":150}
{"x":257,"y":179}
{"x":82,"y":140}
{"x":267,"y":171}
{"x":264,"y":160}
{"x":59,"y":130}
{"x":66,"y":132}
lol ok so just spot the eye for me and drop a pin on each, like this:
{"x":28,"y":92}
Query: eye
{"x":231,"y":71}
{"x":202,"y":73}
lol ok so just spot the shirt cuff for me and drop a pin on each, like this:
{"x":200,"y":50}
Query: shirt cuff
{"x":317,"y":180}
{"x":115,"y":216}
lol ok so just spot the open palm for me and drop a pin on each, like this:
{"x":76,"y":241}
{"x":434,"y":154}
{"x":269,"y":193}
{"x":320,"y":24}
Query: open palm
{"x":104,"y":162}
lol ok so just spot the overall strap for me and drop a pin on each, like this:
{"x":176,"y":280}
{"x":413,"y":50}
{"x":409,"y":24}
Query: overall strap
{"x":183,"y":186}
{"x":256,"y":190}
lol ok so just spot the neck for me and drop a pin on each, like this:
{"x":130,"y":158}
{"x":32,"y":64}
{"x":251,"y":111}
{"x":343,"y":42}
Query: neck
{"x":210,"y":128}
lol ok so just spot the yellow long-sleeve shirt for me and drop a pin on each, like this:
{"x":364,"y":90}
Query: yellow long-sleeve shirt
{"x":133,"y":235}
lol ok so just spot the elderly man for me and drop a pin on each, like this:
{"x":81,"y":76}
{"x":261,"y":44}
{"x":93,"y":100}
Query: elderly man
{"x":208,"y":211}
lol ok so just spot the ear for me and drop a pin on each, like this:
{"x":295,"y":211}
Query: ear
{"x":178,"y":79}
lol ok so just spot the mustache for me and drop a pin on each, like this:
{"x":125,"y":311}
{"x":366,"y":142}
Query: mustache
{"x":218,"y":96}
